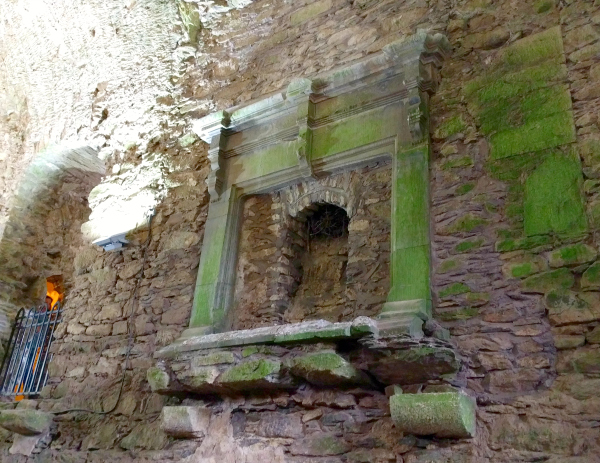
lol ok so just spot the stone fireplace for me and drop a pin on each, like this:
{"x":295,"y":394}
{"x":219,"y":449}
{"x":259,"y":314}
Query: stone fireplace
{"x":315,"y":264}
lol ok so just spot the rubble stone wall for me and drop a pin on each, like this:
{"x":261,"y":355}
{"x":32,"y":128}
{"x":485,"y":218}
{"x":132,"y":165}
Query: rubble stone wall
{"x":515,"y":242}
{"x":286,"y":277}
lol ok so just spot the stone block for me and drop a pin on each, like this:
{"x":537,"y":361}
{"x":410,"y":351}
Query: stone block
{"x":146,"y":436}
{"x":585,"y":361}
{"x":26,"y":422}
{"x":573,"y":254}
{"x":566,"y":308}
{"x":200,"y":379}
{"x":98,"y":330}
{"x":407,"y":365}
{"x":185,"y":422}
{"x":215,"y":358}
{"x":280,"y":425}
{"x":327,"y":369}
{"x":545,"y":282}
{"x":591,"y":277}
{"x":443,"y":414}
{"x":255,"y":375}
{"x":320,"y":445}
{"x":110,"y":312}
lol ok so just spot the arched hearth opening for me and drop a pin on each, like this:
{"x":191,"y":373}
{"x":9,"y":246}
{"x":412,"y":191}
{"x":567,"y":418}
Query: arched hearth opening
{"x":321,"y":289}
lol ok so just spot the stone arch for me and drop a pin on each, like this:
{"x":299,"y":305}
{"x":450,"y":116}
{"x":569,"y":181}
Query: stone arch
{"x":302,"y":198}
{"x":43,"y":226}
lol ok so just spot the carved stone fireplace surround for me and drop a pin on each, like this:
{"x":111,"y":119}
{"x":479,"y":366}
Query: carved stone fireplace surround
{"x":373,"y":110}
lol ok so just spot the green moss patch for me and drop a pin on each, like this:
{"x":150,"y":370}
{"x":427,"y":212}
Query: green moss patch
{"x":460,"y":314}
{"x":466,"y":223}
{"x":448,"y":265}
{"x":454,"y":289}
{"x":464,"y":189}
{"x":468,"y":245}
{"x":521,"y":102}
{"x":463,"y":161}
{"x":547,"y":281}
{"x":450,"y":126}
{"x":326,"y":369}
{"x":573,"y":254}
{"x":553,"y":198}
{"x":508,"y":245}
{"x":591,"y":277}
{"x":250,"y":371}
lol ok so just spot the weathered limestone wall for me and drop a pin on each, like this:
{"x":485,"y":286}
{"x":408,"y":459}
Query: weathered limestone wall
{"x":83,"y":74}
{"x":514,"y":195}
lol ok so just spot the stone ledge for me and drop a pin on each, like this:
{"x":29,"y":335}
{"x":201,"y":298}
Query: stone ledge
{"x":389,"y":359}
{"x":313,"y":331}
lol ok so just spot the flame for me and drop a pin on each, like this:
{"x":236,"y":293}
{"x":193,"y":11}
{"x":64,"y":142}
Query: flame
{"x":53,"y":293}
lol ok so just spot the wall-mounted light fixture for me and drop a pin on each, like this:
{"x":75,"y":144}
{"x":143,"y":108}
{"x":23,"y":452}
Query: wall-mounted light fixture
{"x":112,"y":243}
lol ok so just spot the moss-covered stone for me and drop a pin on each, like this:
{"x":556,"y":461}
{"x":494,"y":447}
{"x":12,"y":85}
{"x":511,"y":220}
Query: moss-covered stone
{"x":448,"y":265}
{"x":543,"y":6}
{"x":477,"y":299}
{"x":158,"y":379}
{"x":200,"y":379}
{"x":461,"y":314}
{"x":508,"y":245}
{"x":566,"y":308}
{"x":585,"y":361}
{"x":450,"y":126}
{"x":412,"y":365}
{"x":573,"y":254}
{"x":468,"y":245}
{"x":215,"y":358}
{"x":454,"y":289}
{"x":553,"y":198}
{"x":254,"y":374}
{"x":465,"y":188}
{"x":443,"y":414}
{"x":591,"y":277}
{"x":327,"y":369}
{"x":465,"y":224}
{"x":521,"y":102}
{"x":547,"y":281}
{"x":462,"y":161}
{"x":524,"y":267}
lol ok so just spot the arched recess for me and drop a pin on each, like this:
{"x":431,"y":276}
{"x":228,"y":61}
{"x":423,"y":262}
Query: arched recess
{"x":43,"y":228}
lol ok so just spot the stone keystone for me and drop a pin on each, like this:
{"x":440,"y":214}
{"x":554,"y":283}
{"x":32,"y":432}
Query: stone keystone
{"x":443,"y":414}
{"x":26,"y":422}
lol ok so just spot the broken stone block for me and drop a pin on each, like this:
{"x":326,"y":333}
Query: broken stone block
{"x":199,"y":379}
{"x":26,"y":422}
{"x":391,"y":362}
{"x":257,"y":374}
{"x":185,"y":422}
{"x":443,"y":414}
{"x":327,"y":369}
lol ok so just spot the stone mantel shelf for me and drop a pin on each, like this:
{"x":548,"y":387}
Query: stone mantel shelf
{"x":313,"y":331}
